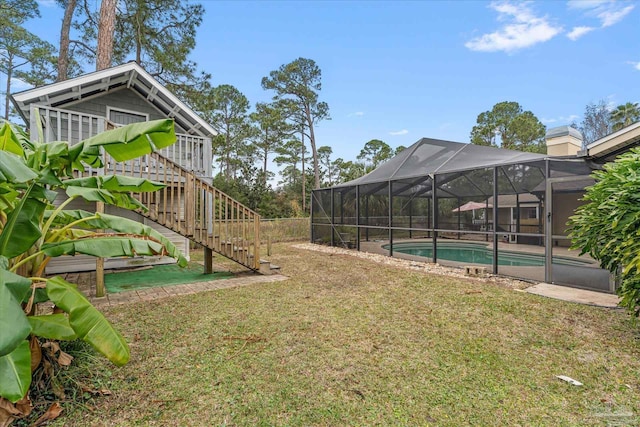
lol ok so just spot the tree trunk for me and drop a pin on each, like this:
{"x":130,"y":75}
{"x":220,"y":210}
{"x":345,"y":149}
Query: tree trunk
{"x":138,"y":38}
{"x":314,"y":152}
{"x":304,"y":179}
{"x":106,"y":28}
{"x":264,"y":169}
{"x":227,"y":149}
{"x":8,"y":88}
{"x":63,"y":56}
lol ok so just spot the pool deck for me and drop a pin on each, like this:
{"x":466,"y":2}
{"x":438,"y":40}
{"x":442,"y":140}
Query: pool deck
{"x":580,"y":296}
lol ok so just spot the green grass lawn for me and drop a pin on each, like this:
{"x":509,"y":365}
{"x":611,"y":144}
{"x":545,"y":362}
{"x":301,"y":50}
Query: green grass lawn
{"x":349,"y":342}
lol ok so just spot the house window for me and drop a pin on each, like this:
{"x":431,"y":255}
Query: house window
{"x":525,"y":213}
{"x":124,"y":117}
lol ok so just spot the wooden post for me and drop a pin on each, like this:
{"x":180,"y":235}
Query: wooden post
{"x":208,"y":261}
{"x":256,"y":231}
{"x":100,"y":291}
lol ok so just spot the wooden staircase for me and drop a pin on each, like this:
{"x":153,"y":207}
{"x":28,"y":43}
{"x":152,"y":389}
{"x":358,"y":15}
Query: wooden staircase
{"x":192,"y":207}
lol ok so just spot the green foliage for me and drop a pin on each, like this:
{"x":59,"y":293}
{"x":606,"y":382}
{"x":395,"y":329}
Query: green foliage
{"x":15,"y":371}
{"x":348,"y":171}
{"x":87,"y":322}
{"x":608,"y":224}
{"x":374,"y":153}
{"x":298,"y":83}
{"x":226,"y":109}
{"x":518,"y":129}
{"x":22,"y":54}
{"x":272,"y":129}
{"x":33,"y":229}
{"x":158,"y":34}
{"x":625,"y":115}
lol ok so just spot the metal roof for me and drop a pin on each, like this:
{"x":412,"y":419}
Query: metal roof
{"x":129,"y":75}
{"x":433,"y":156}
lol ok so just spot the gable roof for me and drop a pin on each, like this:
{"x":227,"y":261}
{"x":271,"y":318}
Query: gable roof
{"x":431,"y":156}
{"x":129,"y":75}
{"x":606,"y":148}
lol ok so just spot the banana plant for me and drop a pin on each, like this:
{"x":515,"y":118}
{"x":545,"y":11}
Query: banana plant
{"x":33,"y":230}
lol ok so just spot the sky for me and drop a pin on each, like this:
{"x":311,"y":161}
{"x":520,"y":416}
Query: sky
{"x":400,"y":71}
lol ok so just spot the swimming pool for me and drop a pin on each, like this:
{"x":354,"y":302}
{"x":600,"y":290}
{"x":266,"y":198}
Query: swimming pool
{"x":478,"y":253}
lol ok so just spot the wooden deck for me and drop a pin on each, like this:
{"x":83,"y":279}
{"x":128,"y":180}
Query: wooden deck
{"x":189,"y":204}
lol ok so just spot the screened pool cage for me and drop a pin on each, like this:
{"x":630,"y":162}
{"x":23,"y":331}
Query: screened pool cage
{"x":465,"y":205}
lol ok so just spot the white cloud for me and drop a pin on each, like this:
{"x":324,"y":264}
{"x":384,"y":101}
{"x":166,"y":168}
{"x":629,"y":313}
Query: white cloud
{"x":400,"y":132}
{"x":356,"y":114}
{"x":635,"y":65}
{"x":47,"y":3}
{"x":608,"y":12}
{"x":612,"y":17}
{"x":522,"y":29}
{"x":578,"y":32}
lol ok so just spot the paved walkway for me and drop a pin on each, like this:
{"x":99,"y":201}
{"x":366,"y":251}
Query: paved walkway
{"x":581,"y":296}
{"x":151,"y":294}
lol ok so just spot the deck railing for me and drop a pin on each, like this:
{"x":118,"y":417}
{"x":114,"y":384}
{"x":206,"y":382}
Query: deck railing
{"x":188,"y":205}
{"x":192,"y":207}
{"x":192,"y":152}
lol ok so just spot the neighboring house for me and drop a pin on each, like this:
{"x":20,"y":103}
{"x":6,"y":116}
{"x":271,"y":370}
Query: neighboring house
{"x":78,"y":108}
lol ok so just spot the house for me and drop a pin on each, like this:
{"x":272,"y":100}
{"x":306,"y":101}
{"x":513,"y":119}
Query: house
{"x":461,"y":204}
{"x":190,"y":208}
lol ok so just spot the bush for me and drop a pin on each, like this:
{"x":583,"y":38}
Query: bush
{"x":607,"y":226}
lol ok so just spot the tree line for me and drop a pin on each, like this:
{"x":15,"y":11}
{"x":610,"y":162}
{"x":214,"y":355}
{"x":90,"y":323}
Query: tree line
{"x":160,"y":35}
{"x":507,"y":125}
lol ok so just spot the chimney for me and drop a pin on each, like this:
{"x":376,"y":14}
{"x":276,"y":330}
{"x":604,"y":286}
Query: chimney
{"x":563,"y":141}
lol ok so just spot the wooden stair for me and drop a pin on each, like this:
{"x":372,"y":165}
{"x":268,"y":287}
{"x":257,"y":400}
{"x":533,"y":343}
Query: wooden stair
{"x":192,"y":207}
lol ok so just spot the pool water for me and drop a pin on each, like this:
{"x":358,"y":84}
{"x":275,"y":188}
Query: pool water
{"x":478,"y":254}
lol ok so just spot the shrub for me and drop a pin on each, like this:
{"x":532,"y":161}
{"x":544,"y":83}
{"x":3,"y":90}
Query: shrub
{"x":607,"y":226}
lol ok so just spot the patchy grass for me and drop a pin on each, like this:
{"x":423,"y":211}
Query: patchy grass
{"x":285,"y":229}
{"x":348,"y":342}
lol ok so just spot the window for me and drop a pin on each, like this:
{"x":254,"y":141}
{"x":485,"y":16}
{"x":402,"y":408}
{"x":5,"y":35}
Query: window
{"x":525,"y":213}
{"x":124,"y":117}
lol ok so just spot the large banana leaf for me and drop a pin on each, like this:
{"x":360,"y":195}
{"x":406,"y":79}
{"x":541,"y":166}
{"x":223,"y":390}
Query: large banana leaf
{"x":80,"y":154}
{"x":13,"y":168}
{"x":11,"y":138}
{"x":15,"y":372}
{"x":134,"y":140}
{"x":121,"y":200}
{"x":22,"y":229}
{"x":14,"y":326}
{"x":116,"y":183}
{"x":52,"y":326}
{"x":87,"y":322}
{"x":105,"y":247}
{"x":118,"y":225}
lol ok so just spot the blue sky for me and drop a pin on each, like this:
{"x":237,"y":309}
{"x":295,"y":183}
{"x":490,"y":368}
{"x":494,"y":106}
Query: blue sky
{"x":399,"y":71}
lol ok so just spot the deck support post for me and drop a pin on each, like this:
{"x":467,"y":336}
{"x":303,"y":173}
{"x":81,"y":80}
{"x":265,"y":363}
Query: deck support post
{"x":208,"y":261}
{"x":390,"y":195}
{"x":434,"y":218}
{"x":494,"y":268}
{"x":100,"y":290}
